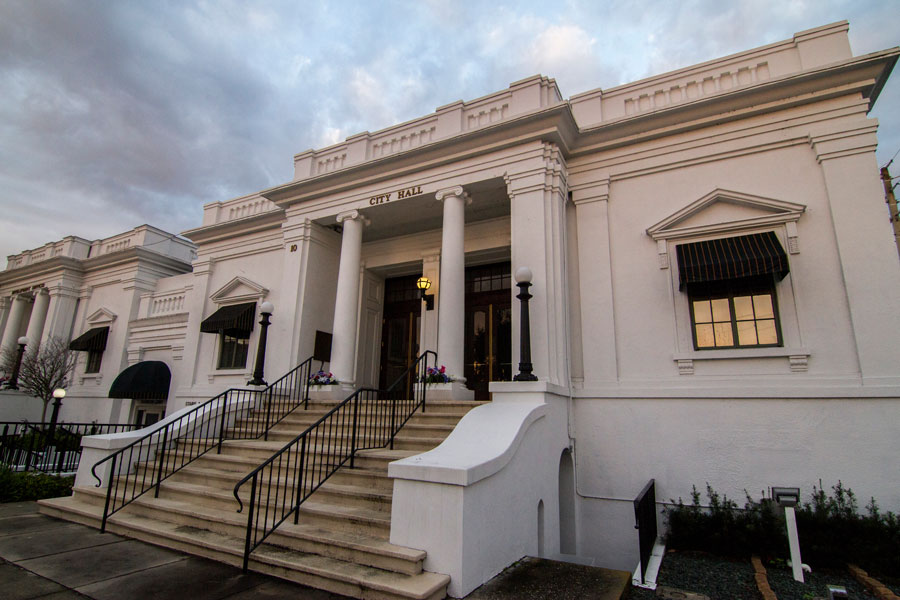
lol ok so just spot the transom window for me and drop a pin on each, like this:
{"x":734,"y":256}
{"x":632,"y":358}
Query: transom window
{"x":233,"y":351}
{"x":737,"y":313}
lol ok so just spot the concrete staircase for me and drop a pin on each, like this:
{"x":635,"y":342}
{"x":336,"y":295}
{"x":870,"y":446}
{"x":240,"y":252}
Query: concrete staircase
{"x":340,"y":543}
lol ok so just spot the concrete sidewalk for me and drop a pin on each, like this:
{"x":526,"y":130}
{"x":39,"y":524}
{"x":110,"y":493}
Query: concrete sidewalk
{"x":43,"y":557}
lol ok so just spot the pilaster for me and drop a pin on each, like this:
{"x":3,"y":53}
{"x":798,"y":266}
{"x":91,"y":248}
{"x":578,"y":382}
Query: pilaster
{"x":597,"y":310}
{"x":538,"y":216}
{"x":868,"y":257}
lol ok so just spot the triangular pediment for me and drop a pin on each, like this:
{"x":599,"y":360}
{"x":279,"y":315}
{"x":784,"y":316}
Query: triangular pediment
{"x":100,"y":317}
{"x":239,"y":289}
{"x":723,"y":211}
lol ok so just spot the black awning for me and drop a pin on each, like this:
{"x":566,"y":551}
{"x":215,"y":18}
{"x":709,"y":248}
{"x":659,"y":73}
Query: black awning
{"x":236,"y":320}
{"x":93,"y":339}
{"x":147,"y":380}
{"x":731,"y":258}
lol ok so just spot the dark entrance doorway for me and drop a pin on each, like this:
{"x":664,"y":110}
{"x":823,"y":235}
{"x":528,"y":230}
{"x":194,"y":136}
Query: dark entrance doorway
{"x":488,"y":338}
{"x":399,"y":329}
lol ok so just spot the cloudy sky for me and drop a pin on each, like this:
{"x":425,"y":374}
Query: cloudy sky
{"x":115,"y":113}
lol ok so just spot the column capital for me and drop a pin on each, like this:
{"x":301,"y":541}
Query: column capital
{"x":453,"y":192}
{"x":352,"y":215}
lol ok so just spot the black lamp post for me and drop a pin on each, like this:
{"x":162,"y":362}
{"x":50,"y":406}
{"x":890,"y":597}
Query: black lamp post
{"x":266,"y":309}
{"x":423,"y":283}
{"x":523,"y":280}
{"x":14,"y":378}
{"x":58,"y":395}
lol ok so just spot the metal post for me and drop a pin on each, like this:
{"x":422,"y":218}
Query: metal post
{"x":159,"y":454}
{"x":249,"y":523}
{"x":393,"y":417}
{"x":112,"y":473}
{"x":523,"y":281}
{"x":300,"y":477}
{"x":353,"y":433}
{"x":222,"y":423}
{"x":268,"y":414}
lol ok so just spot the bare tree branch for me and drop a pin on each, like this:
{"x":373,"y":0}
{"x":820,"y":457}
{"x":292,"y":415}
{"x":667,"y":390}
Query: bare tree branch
{"x":44,"y":369}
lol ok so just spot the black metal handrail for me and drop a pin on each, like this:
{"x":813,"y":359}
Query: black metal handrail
{"x":368,"y":418}
{"x":235,"y":414}
{"x":48,"y":447}
{"x":645,"y":523}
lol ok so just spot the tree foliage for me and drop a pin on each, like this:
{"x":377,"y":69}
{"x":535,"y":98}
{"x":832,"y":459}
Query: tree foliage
{"x":44,"y":368}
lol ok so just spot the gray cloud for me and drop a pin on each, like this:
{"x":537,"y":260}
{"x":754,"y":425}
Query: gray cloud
{"x":119,"y":113}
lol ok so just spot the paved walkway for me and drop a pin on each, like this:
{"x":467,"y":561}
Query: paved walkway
{"x":46,"y":558}
{"x":43,"y":557}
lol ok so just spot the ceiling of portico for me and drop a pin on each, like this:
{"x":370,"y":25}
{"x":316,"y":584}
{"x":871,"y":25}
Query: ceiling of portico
{"x":424,"y":212}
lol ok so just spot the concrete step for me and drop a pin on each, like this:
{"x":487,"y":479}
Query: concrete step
{"x":223,"y":498}
{"x":200,"y":473}
{"x":331,"y":573}
{"x":372,"y":459}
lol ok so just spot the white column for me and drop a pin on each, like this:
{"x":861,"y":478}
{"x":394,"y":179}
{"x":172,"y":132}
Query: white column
{"x":61,"y":312}
{"x":346,"y":304}
{"x":452,"y":301}
{"x":13,"y":324}
{"x":38,"y":317}
{"x":4,"y":313}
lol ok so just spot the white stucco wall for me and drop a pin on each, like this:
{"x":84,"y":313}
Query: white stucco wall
{"x":734,"y":444}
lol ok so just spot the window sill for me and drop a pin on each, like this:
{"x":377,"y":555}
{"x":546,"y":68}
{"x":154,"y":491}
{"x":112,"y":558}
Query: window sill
{"x":97,"y":378}
{"x":798,"y":357}
{"x":242,"y":373}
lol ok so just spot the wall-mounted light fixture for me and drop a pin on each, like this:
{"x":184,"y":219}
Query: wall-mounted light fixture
{"x":424,"y":284}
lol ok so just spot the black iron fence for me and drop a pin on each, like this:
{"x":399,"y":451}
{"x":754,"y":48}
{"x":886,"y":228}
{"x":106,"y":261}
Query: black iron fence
{"x":645,"y":523}
{"x":369,"y":418}
{"x":235,"y":414}
{"x":48,"y":447}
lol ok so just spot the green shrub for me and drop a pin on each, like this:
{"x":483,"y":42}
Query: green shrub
{"x":831,"y":531}
{"x":722,"y":528}
{"x":18,"y":487}
{"x":62,"y":439}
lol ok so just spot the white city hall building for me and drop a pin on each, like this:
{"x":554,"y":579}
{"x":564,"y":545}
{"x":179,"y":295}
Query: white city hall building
{"x":715,"y":290}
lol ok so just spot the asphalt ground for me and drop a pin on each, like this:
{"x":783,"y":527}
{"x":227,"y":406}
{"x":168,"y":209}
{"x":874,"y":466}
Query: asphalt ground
{"x":43,"y":557}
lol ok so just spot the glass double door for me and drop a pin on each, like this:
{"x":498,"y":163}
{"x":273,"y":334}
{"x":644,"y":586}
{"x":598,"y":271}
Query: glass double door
{"x":488,"y":335}
{"x":488,"y":328}
{"x":399,"y":329}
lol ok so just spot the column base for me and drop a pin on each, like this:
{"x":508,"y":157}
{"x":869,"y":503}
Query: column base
{"x":455,"y":390}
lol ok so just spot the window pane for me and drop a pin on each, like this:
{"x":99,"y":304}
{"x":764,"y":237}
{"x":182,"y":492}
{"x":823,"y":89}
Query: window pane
{"x":767,"y":332}
{"x":763,"y":305}
{"x":724,"y":335}
{"x":705,"y":337}
{"x":743,"y":308}
{"x":702,"y":312}
{"x":720,"y":310}
{"x":746,"y":332}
